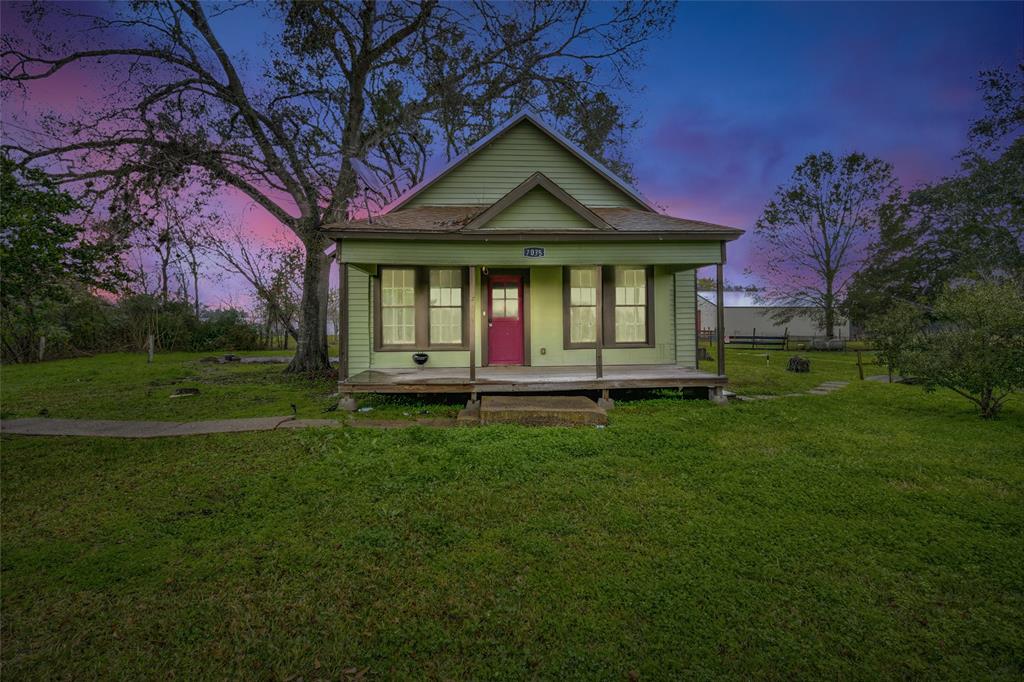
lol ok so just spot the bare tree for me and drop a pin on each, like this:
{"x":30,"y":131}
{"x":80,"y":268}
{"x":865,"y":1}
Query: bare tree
{"x":273,"y":272}
{"x":815,"y":228}
{"x":352,"y":98}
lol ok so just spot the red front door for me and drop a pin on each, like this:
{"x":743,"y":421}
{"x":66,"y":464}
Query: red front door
{"x":505,"y":315}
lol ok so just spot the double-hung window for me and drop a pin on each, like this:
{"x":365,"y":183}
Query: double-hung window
{"x":630,"y":316}
{"x":445,"y":306}
{"x":420,"y":308}
{"x":581,"y":306}
{"x":626,"y":297}
{"x":398,"y":306}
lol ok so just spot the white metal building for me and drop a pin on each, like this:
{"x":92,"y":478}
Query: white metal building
{"x":747,"y":316}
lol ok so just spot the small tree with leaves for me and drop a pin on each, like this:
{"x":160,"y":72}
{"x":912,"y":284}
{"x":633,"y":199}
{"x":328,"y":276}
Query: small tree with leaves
{"x":971,"y":342}
{"x":815,"y":228}
{"x":44,"y":253}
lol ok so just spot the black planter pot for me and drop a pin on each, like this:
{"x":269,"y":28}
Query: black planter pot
{"x":420,"y":358}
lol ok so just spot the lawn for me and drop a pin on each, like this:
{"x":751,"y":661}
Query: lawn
{"x":874,"y":532}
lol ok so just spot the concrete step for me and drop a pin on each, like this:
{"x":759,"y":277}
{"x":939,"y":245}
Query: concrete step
{"x":548,"y":410}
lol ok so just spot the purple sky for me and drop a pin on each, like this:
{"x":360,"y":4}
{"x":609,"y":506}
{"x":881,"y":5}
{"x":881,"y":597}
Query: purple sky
{"x":740,"y":93}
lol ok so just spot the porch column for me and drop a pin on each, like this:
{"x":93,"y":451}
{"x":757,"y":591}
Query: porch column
{"x":345,"y":400}
{"x":720,"y":312}
{"x":342,"y":316}
{"x":599,"y":324}
{"x":472,"y":323}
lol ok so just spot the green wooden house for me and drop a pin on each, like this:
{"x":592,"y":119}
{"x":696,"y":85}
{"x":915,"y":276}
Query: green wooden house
{"x":524,"y":266}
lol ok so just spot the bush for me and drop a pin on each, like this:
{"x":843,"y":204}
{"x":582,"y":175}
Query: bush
{"x":225,"y":330}
{"x":971,"y":341}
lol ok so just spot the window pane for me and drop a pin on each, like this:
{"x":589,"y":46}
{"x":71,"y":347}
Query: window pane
{"x":445,"y":303}
{"x":446,"y":287}
{"x":583,"y":304}
{"x":505,"y":301}
{"x":630,"y":286}
{"x":630,"y":324}
{"x":446,"y":325}
{"x":398,"y":325}
{"x":582,"y":322}
{"x":397,"y":298}
{"x":582,"y":286}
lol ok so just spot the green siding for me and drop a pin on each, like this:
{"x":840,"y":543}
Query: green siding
{"x":686,"y":318}
{"x":537,"y":210}
{"x":359,"y":326}
{"x":495,"y":253}
{"x":546,"y":317}
{"x":496,"y":169}
{"x":546,"y":329}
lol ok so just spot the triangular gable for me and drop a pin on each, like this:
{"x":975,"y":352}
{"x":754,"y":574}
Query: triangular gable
{"x":508,"y":156}
{"x":540,"y":204}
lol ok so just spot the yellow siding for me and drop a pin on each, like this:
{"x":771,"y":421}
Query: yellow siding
{"x":686,"y":317}
{"x":507,"y":161}
{"x":537,"y":210}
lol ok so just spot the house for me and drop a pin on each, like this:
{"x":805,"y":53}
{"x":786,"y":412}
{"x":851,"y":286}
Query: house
{"x":524,"y":266}
{"x":746,"y":314}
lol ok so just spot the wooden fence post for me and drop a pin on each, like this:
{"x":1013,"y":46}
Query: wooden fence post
{"x":42,"y":347}
{"x":150,"y":342}
{"x":860,"y":367}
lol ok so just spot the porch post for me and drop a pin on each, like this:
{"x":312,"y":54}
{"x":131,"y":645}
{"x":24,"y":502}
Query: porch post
{"x":720,"y":312}
{"x":342,"y":318}
{"x":472,"y":323}
{"x":345,"y":400}
{"x":599,"y":324}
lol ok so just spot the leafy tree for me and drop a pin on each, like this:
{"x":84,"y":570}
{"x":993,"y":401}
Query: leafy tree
{"x":44,"y":252}
{"x":814,"y":228}
{"x":347,"y":107}
{"x":971,"y":341}
{"x":968,"y":227}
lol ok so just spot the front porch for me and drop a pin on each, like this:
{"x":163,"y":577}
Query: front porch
{"x":527,"y":379}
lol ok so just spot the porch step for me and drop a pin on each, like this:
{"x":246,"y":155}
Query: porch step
{"x":547,"y":410}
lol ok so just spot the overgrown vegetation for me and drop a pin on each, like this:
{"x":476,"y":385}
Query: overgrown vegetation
{"x":971,"y":342}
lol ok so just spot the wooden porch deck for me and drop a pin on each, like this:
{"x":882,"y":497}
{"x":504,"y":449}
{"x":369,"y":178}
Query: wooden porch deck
{"x":526,"y":379}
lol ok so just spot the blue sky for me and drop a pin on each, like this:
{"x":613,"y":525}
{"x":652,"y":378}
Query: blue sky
{"x":741,"y":92}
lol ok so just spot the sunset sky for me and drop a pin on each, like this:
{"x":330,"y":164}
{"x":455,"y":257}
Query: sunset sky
{"x":740,"y":93}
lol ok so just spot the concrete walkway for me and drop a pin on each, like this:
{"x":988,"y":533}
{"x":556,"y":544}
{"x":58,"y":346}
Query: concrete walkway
{"x":822,"y":389}
{"x":108,"y":428}
{"x":38,"y":426}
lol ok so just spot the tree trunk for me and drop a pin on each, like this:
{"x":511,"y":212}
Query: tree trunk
{"x":830,"y":312}
{"x":311,"y":346}
{"x":195,"y":286}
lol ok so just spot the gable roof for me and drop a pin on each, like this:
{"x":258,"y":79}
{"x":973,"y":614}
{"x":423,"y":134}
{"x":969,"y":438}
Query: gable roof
{"x":557,"y":137}
{"x":536,"y":180}
{"x":449,"y":222}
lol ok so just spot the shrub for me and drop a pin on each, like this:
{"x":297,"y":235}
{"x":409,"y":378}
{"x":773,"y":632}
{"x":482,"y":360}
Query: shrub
{"x":971,"y":341}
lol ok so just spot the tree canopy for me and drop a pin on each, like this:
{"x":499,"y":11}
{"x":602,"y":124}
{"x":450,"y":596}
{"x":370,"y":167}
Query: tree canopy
{"x":341,"y":114}
{"x":813,"y":229}
{"x":969,"y":227}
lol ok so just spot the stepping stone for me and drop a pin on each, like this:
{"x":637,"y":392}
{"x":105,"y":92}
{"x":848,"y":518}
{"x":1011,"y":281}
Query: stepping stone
{"x":541,"y":411}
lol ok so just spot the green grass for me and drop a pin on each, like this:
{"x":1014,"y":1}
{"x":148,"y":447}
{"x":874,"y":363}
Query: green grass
{"x":125,"y":386}
{"x":762,"y":372}
{"x":875,"y":532}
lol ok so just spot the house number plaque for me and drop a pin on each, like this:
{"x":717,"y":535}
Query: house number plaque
{"x":533,"y":251}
